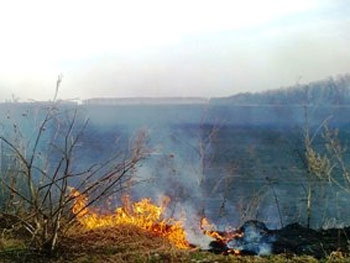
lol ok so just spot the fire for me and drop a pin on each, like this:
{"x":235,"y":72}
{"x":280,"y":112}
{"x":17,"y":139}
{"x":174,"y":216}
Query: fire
{"x":143,"y":214}
{"x":221,"y":237}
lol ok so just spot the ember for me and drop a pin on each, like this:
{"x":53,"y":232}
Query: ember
{"x":220,"y":245}
{"x":143,"y":214}
{"x":253,"y":238}
{"x":256,"y":239}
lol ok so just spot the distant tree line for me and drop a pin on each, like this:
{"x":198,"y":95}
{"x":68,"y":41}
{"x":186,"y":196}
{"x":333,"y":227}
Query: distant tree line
{"x":330,"y":91}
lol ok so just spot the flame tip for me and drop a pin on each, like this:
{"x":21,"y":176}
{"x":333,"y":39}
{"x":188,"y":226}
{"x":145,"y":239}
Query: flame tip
{"x":143,"y":214}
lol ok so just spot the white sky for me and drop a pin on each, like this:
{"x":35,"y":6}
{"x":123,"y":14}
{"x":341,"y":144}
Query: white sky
{"x":168,"y":48}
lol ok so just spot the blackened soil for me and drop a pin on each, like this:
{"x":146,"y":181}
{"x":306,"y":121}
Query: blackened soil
{"x":300,"y":240}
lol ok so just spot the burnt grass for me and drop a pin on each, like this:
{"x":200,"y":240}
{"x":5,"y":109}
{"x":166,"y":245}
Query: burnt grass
{"x":300,"y":240}
{"x":293,"y":243}
{"x":294,"y":239}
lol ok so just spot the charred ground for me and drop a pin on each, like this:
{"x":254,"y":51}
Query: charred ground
{"x":293,"y":239}
{"x":122,"y":244}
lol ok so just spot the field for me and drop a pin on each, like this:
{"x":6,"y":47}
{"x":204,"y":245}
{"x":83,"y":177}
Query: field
{"x":126,"y":244}
{"x":230,"y":165}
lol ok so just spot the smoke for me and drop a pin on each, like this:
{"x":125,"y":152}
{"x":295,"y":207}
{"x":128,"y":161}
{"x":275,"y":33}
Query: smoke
{"x":256,"y":239}
{"x":201,"y":185}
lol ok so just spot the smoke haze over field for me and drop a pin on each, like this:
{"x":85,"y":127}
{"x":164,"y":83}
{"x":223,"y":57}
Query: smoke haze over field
{"x":162,"y":48}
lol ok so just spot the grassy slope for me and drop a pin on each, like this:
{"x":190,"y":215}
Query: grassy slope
{"x":127,"y":244}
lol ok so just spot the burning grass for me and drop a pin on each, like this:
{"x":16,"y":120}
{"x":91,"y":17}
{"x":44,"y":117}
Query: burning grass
{"x":140,"y":232}
{"x":127,"y":243}
{"x":122,"y":243}
{"x":144,"y":215}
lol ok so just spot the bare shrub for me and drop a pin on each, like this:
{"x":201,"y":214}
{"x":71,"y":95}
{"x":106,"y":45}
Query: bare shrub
{"x":36,"y":184}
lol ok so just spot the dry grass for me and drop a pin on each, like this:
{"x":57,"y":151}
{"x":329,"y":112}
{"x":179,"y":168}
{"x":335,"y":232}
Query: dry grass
{"x":124,"y":243}
{"x":127,"y":244}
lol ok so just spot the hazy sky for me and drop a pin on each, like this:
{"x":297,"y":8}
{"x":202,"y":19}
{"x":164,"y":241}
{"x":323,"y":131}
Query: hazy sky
{"x":168,"y":48}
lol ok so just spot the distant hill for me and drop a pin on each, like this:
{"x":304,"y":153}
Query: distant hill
{"x":333,"y":91}
{"x":330,"y":91}
{"x":145,"y":101}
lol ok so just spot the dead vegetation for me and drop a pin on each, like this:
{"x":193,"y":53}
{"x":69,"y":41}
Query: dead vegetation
{"x":36,"y":224}
{"x":124,"y":243}
{"x":40,"y":170}
{"x":127,"y":244}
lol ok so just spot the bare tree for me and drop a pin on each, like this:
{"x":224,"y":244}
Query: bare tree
{"x":44,"y":168}
{"x":325,"y":163}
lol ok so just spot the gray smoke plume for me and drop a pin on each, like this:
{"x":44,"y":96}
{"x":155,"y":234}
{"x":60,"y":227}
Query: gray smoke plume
{"x":256,"y":239}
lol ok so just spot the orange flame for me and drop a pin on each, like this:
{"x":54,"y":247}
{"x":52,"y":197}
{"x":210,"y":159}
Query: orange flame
{"x":223,"y":237}
{"x":143,"y":214}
